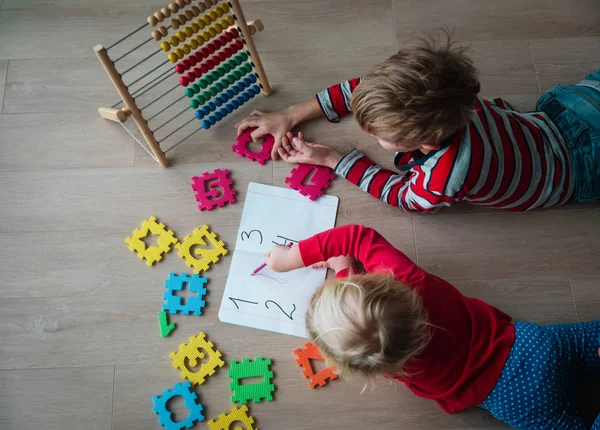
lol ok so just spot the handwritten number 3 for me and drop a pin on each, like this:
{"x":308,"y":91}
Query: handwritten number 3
{"x":248,"y":234}
{"x":290,"y":316}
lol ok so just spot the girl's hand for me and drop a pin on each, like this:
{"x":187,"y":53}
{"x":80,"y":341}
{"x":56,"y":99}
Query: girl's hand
{"x":337,"y":264}
{"x":283,"y":258}
{"x":296,"y":150}
{"x":276,"y":124}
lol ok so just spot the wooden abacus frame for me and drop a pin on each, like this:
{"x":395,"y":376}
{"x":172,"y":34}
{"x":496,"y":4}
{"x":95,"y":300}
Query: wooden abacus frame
{"x":131,"y":109}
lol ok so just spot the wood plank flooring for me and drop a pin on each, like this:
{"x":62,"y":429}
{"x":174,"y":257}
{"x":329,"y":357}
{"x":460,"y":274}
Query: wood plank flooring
{"x":79,"y":343}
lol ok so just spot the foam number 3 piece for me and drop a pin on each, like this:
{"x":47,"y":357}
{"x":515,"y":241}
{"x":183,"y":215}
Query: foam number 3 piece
{"x":321,"y":178}
{"x":261,"y":157}
{"x":196,"y":256}
{"x":191,"y":353}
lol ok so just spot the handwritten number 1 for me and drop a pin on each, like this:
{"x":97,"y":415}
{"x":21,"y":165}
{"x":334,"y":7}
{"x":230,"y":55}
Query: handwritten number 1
{"x":240,"y":300}
{"x":290,"y":316}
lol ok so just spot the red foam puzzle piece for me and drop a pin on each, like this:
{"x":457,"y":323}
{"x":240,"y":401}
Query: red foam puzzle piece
{"x":241,"y":147}
{"x":207,"y":195}
{"x":319,"y":182}
{"x":303,"y":357}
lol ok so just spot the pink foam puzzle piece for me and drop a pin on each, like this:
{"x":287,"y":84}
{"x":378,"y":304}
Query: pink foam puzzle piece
{"x":320,"y":180}
{"x":261,"y":157}
{"x":207,"y":195}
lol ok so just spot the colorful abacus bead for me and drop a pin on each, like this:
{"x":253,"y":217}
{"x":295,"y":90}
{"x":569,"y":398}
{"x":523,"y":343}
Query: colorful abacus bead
{"x":218,"y":116}
{"x":198,"y":114}
{"x":183,"y":80}
{"x":194,"y":105}
{"x":189,"y":92}
{"x":205,"y":110}
{"x":205,"y":124}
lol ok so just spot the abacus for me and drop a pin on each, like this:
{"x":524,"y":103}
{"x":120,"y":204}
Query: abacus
{"x":211,"y":48}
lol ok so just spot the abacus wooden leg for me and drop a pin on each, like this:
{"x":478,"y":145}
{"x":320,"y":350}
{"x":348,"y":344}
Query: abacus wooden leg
{"x":121,"y":88}
{"x":117,"y":115}
{"x":247,"y":34}
{"x":255,"y":26}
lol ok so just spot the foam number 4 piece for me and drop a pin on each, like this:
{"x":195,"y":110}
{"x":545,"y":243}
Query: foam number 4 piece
{"x":191,"y":353}
{"x":236,"y":415}
{"x":304,"y":358}
{"x":251,"y":369}
{"x":192,"y":250}
{"x":189,"y":399}
{"x":321,"y":179}
{"x":207,"y":189}
{"x":154,"y":253}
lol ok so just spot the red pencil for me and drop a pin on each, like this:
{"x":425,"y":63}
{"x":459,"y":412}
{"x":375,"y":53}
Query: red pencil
{"x":262,"y":266}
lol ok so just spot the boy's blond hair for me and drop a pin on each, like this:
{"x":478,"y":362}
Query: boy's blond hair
{"x":367,"y":324}
{"x":420,"y":95}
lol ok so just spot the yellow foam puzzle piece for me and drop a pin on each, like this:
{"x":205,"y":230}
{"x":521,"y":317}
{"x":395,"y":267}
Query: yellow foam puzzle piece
{"x":237,"y":414}
{"x":153,"y":253}
{"x":191,"y":352}
{"x":207,"y":256}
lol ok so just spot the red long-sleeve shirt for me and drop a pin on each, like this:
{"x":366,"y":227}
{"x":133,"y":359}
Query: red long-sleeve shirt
{"x":470,"y":339}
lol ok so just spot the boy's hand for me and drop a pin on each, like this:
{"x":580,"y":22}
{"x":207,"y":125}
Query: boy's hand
{"x":284,"y":258}
{"x":296,"y":150}
{"x":276,"y":124}
{"x":337,"y":264}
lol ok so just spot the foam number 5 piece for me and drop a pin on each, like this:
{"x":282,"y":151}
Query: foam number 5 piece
{"x":236,"y":415}
{"x":251,"y":369}
{"x":303,"y":359}
{"x":153,"y":253}
{"x":207,"y":192}
{"x":200,"y":259}
{"x":189,"y":399}
{"x":241,"y":147}
{"x":321,"y":178}
{"x":191,"y":353}
{"x":174,"y":303}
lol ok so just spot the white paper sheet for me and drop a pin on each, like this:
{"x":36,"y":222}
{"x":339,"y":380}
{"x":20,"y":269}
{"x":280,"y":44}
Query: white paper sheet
{"x":269,"y":300}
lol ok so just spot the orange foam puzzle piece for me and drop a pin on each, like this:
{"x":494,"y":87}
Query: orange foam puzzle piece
{"x":303,"y":357}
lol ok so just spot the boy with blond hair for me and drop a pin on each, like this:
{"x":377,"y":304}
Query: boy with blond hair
{"x":450,"y":143}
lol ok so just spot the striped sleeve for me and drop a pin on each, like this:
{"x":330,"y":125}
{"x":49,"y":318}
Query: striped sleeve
{"x":335,"y":100}
{"x":405,"y":191}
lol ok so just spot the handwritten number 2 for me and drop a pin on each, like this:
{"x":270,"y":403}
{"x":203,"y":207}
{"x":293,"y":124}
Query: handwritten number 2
{"x":290,"y":316}
{"x":248,"y":234}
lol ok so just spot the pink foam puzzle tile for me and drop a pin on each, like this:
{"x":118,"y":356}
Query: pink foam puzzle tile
{"x":320,"y":180}
{"x":207,"y":193}
{"x":261,"y":157}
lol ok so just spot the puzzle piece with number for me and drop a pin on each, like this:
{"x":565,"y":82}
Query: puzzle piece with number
{"x":191,"y":352}
{"x":154,"y":253}
{"x":189,"y":400}
{"x":261,"y":157}
{"x":303,"y":358}
{"x":225,"y":421}
{"x":251,"y":369}
{"x":207,"y":192}
{"x":195,"y":245}
{"x":321,"y":179}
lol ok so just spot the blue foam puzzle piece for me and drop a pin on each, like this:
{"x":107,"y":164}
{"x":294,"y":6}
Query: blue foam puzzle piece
{"x":174,"y":303}
{"x":189,"y":399}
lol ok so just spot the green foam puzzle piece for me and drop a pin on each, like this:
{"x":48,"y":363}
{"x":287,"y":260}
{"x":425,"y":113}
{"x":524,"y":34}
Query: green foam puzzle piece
{"x":251,"y":369}
{"x":165,"y":327}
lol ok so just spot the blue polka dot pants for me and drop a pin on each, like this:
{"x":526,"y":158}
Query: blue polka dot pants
{"x":535,"y":389}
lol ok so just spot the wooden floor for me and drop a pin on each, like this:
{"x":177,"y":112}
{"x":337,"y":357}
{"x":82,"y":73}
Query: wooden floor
{"x":79,"y":343}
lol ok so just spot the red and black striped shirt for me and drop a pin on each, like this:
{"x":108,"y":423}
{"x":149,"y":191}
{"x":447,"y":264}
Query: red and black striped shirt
{"x":502,"y":159}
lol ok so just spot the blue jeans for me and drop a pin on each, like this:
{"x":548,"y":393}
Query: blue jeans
{"x":536,"y":387}
{"x":575,"y":110}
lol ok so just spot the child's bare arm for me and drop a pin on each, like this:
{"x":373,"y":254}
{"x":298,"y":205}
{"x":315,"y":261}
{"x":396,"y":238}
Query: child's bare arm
{"x":279,"y":123}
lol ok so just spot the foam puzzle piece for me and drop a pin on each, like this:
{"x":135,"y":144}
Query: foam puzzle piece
{"x":207,"y":256}
{"x":303,"y":357}
{"x":165,"y":327}
{"x":174,"y":303}
{"x":261,"y":157}
{"x":320,"y":180}
{"x":191,"y":353}
{"x":251,"y":369}
{"x":189,"y":399}
{"x":225,"y":421}
{"x":153,"y":253}
{"x":207,"y":192}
